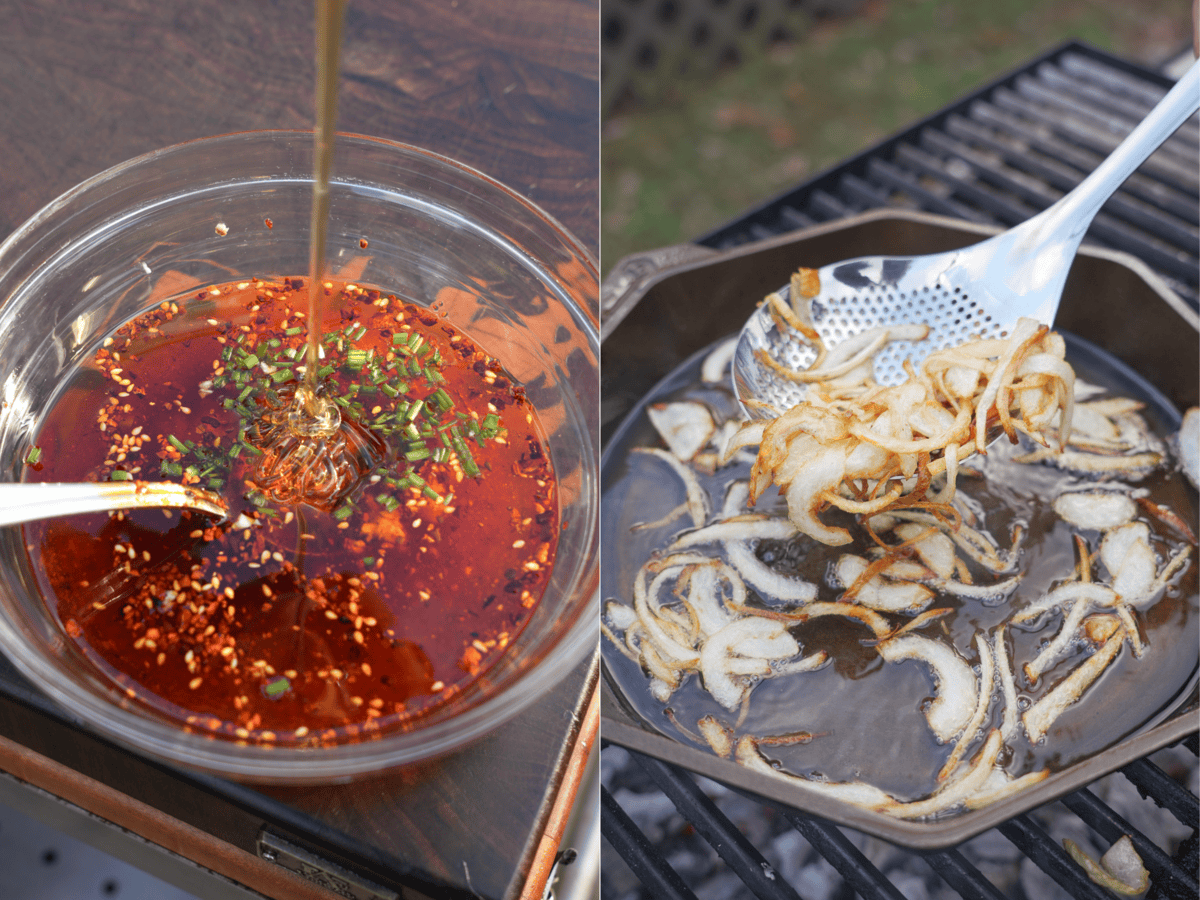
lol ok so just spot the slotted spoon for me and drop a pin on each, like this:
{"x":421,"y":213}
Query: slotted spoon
{"x":976,"y":292}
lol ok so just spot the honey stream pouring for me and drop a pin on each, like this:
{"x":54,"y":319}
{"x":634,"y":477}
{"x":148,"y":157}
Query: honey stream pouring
{"x":310,"y":453}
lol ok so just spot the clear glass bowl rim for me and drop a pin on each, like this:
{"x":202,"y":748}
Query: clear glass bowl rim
{"x":284,"y":765}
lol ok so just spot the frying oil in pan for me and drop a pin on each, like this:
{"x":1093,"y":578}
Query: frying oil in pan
{"x":865,"y":715}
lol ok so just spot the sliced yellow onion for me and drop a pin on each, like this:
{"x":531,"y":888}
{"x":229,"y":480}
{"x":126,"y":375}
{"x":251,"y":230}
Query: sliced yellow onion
{"x":976,"y":544}
{"x":1120,"y":869}
{"x":878,"y":624}
{"x":764,"y":639}
{"x":1062,"y":641}
{"x":772,"y":586}
{"x":704,"y":600}
{"x":804,"y":496}
{"x":1098,"y":510}
{"x":997,"y":789}
{"x":658,"y":668}
{"x":697,"y":497}
{"x":845,"y":357}
{"x":747,"y":529}
{"x":1039,"y":717}
{"x":761,"y":634}
{"x":677,"y":561}
{"x":756,"y":668}
{"x":619,"y":615}
{"x":856,"y":793}
{"x":990,"y":594}
{"x":621,"y":645}
{"x":750,"y":434}
{"x":934,"y":549}
{"x":718,"y":736}
{"x":954,"y":702}
{"x":804,"y":664}
{"x":715,"y":367}
{"x":878,"y":593}
{"x":1008,"y":685}
{"x":666,"y":643}
{"x":684,"y":425}
{"x":678,"y":512}
{"x":1071,"y":592}
{"x":983,"y":700}
{"x":737,"y":497}
{"x":1131,"y":561}
{"x":920,"y":620}
{"x":957,"y":790}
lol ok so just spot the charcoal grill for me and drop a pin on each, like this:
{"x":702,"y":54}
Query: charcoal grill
{"x":992,"y":159}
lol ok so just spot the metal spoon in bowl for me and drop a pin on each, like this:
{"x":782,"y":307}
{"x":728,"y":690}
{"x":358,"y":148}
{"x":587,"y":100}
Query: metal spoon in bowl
{"x":976,"y":292}
{"x":20,"y":502}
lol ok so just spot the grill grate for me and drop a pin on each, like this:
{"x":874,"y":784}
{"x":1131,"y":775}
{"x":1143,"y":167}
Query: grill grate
{"x":1010,"y":150}
{"x":996,"y":157}
{"x":1172,"y":877}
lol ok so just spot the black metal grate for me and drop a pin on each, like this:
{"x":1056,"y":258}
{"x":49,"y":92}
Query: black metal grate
{"x":996,"y":157}
{"x":1172,"y":876}
{"x":1009,"y":151}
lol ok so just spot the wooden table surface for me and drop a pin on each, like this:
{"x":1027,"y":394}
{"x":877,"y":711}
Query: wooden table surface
{"x":509,"y":87}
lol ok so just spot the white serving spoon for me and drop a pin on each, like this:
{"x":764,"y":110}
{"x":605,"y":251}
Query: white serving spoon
{"x":976,"y":292}
{"x":21,"y":502}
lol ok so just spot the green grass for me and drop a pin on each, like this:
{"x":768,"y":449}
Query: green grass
{"x":708,"y":148}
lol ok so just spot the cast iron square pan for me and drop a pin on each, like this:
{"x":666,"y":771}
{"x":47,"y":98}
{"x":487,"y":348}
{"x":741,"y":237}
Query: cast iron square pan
{"x":663,"y":306}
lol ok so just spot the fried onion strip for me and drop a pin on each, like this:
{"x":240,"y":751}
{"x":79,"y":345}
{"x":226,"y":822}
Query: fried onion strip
{"x":697,"y":498}
{"x":857,"y":793}
{"x":1039,"y":717}
{"x":956,"y":790}
{"x":951,"y":709}
{"x":983,"y":701}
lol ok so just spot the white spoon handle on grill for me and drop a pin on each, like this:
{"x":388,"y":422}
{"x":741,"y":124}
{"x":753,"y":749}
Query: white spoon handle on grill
{"x":1066,"y":222}
{"x":30,"y":502}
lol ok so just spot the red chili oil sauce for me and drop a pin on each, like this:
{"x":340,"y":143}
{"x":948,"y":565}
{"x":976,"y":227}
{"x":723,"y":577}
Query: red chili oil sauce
{"x":296,"y":622}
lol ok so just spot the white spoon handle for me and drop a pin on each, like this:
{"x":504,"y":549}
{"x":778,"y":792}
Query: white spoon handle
{"x":1070,"y":217}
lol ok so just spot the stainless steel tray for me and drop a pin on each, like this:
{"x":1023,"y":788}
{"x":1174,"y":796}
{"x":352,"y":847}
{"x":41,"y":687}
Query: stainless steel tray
{"x":660,"y":307}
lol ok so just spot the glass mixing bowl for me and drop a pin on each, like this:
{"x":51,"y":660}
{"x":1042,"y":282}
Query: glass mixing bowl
{"x":402,"y":219}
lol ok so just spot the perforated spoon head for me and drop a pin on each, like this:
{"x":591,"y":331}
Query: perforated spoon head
{"x":975,"y":292}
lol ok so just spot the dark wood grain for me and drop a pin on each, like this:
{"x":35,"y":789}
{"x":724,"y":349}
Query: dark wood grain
{"x":509,"y":87}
